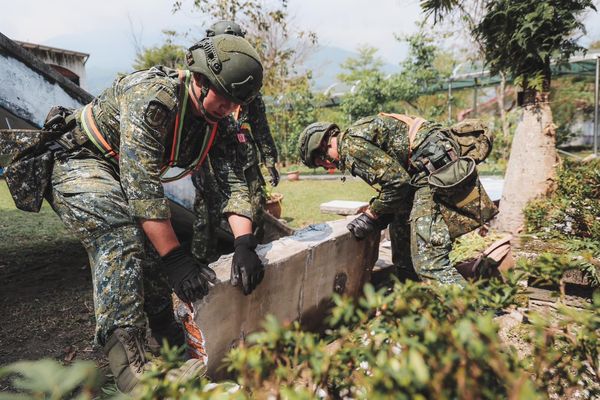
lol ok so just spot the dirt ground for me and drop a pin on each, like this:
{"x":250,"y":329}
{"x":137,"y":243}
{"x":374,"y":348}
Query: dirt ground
{"x":46,"y":306}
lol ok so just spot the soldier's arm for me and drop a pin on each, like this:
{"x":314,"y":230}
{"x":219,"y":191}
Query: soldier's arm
{"x":161,"y":234}
{"x":261,"y":132}
{"x":377,"y":168}
{"x":144,"y":123}
{"x":230,"y":174}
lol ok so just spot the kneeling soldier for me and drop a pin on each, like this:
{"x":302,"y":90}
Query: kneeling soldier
{"x":428,"y":185}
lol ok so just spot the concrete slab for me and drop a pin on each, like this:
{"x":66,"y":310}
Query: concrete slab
{"x":344,"y":207}
{"x":301,"y":274}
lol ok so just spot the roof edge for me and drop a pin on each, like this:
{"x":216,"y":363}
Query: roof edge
{"x":10,"y":47}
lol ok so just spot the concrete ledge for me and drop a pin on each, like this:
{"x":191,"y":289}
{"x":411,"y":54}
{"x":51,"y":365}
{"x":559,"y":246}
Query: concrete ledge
{"x":301,"y":274}
{"x":344,"y":207}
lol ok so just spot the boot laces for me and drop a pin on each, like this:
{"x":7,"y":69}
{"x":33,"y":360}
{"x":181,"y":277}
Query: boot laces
{"x":136,"y":350}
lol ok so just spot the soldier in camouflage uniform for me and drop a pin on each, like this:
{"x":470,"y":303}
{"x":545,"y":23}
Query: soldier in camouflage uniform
{"x":380,"y":150}
{"x":254,"y":139}
{"x":107,"y":189}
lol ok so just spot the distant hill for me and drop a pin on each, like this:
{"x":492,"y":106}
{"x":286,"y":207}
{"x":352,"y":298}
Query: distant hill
{"x":114,"y":53}
{"x":325,"y":65}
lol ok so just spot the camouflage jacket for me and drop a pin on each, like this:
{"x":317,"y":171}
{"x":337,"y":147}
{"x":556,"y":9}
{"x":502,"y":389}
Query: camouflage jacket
{"x":376,"y":149}
{"x":136,"y":116}
{"x":255,"y":115}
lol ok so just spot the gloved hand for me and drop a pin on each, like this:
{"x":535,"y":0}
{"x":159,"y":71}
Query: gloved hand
{"x":247,"y":270}
{"x":363,"y":225}
{"x":188,"y":278}
{"x":274,"y":176}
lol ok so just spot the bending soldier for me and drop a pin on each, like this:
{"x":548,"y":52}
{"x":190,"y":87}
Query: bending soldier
{"x":106,"y":186}
{"x":429,"y":189}
{"x":254,"y":145}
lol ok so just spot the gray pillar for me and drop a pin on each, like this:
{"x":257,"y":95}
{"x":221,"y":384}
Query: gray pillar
{"x":596,"y":83}
{"x":475,"y":98}
{"x":449,"y":101}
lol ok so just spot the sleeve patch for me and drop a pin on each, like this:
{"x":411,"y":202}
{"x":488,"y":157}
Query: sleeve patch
{"x":156,"y":114}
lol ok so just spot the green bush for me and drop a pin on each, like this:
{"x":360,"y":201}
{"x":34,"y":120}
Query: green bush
{"x":48,"y":379}
{"x":412,"y":340}
{"x":572,"y":210}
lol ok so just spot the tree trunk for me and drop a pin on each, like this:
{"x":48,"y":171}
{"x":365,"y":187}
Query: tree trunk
{"x":531,"y":167}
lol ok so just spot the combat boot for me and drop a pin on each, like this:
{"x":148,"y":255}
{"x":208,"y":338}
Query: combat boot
{"x":128,"y":361}
{"x":126,"y":357}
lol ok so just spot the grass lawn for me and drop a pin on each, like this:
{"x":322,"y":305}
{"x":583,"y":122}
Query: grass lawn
{"x":300,"y":204}
{"x":19,"y":228}
{"x":301,"y":199}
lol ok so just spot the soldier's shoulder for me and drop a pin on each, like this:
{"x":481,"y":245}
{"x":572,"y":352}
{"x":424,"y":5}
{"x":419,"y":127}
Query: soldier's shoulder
{"x":155,"y":85}
{"x":365,"y":127}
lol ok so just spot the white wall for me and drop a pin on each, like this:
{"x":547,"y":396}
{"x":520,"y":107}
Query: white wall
{"x":28,"y":94}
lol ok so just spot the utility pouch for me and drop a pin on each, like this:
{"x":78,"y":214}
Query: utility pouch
{"x":474,"y":139}
{"x":28,"y":180}
{"x":464,"y":204}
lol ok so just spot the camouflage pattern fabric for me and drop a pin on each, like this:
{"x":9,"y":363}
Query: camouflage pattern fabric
{"x":137,"y":116}
{"x":256,"y":115}
{"x":101,"y":201}
{"x":87,"y":195}
{"x":250,"y":136}
{"x":376,"y":149}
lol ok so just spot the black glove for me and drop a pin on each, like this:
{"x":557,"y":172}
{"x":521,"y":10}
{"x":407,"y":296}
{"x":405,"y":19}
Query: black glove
{"x":246,"y":269}
{"x":363,"y":225}
{"x":274,"y":176}
{"x":188,"y":278}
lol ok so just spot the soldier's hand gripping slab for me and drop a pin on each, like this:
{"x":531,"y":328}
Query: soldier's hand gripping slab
{"x":247,"y":270}
{"x":188,"y":279}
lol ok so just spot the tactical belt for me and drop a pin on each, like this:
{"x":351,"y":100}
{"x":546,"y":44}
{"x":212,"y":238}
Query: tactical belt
{"x":95,"y":136}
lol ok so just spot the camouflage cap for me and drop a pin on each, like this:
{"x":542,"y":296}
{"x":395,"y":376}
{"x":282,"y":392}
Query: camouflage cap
{"x":225,"y":27}
{"x":231,"y":65}
{"x":310,"y":140}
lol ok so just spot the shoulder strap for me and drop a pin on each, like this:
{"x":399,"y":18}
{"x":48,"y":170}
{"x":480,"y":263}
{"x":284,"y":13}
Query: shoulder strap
{"x":414,"y":124}
{"x":93,"y":133}
{"x":184,"y":80}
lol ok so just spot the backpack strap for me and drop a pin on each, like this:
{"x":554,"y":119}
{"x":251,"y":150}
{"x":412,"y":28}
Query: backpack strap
{"x":414,"y":124}
{"x":93,"y":133}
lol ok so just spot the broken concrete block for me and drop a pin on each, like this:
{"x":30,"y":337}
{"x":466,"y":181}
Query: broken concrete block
{"x":344,"y":207}
{"x":301,"y":274}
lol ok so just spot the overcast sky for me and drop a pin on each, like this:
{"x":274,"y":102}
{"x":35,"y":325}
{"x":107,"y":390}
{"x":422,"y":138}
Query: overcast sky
{"x":105,"y":28}
{"x":339,"y":23}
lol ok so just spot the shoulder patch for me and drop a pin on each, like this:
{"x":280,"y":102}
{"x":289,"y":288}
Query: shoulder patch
{"x":166,"y":99}
{"x":156,"y":114}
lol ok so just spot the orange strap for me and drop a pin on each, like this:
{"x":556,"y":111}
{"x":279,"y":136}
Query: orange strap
{"x":93,"y":133}
{"x":236,"y":112}
{"x":414,"y":124}
{"x":96,"y":137}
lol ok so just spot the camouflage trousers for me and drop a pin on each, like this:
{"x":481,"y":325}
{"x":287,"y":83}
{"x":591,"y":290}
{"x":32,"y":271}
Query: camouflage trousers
{"x":208,"y":244}
{"x":421,"y":241}
{"x":87,"y":196}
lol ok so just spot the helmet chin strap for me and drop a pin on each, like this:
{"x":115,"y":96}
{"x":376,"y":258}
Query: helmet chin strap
{"x":203,"y":92}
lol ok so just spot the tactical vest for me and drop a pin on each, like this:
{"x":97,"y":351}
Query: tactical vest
{"x":95,"y":136}
{"x":28,"y":155}
{"x":446,"y":161}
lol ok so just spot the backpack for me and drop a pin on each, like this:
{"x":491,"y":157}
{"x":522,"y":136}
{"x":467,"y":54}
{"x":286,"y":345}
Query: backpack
{"x":473,"y":137}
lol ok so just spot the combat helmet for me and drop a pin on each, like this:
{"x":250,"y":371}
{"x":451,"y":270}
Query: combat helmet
{"x":225,"y":27}
{"x":230,"y":64}
{"x":310,"y":140}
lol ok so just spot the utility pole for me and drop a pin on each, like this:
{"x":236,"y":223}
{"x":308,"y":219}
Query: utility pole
{"x":596,"y":94}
